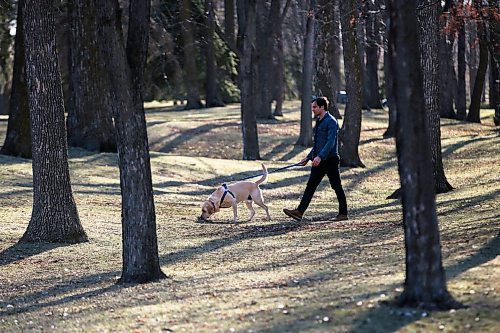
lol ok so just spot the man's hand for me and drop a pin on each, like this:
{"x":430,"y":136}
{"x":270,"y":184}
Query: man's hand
{"x":303,"y":161}
{"x":316,"y":161}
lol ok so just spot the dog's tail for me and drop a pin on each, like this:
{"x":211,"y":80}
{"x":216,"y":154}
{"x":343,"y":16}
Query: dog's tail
{"x":264,"y":176}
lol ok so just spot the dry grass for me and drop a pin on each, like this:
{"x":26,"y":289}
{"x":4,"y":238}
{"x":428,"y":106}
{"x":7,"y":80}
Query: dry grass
{"x":277,"y":276}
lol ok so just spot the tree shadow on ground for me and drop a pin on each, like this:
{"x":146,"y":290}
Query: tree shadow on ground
{"x":406,"y":316}
{"x":20,"y":251}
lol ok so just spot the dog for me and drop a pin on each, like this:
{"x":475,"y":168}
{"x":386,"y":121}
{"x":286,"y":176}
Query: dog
{"x":230,"y":195}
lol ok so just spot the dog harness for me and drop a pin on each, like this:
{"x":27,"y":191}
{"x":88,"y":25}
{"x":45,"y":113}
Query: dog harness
{"x":226,"y":191}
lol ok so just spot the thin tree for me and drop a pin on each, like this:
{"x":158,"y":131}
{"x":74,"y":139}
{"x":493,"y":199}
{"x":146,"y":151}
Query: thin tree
{"x":461,"y":67}
{"x":54,"y":217}
{"x":425,"y":282}
{"x":89,"y":122}
{"x":373,"y":41}
{"x":428,"y":23}
{"x":305,"y":137}
{"x":390,"y":132}
{"x":477,"y":92}
{"x":126,"y":70}
{"x":351,"y":127}
{"x":18,"y":138}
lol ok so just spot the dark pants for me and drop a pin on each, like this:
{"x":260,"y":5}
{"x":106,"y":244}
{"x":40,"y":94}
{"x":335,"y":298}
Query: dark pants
{"x":329,"y":167}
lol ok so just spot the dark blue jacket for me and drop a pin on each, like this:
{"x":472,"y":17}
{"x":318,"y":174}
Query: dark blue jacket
{"x":325,"y":138}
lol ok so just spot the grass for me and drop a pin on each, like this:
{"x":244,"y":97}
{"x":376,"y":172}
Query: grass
{"x":259,"y":276}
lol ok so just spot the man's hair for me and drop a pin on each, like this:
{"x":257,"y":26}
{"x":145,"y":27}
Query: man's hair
{"x":322,"y":101}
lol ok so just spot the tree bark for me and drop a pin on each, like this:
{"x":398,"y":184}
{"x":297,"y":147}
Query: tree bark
{"x":351,"y":127}
{"x":140,"y":249}
{"x":428,"y":23}
{"x":461,"y":66}
{"x":190,"y":54}
{"x":477,"y":92}
{"x":425,"y":283}
{"x":373,"y":99}
{"x":279,"y":90}
{"x":54,"y":217}
{"x":494,"y":47}
{"x":248,"y":118}
{"x":89,"y":121}
{"x":446,"y":72}
{"x":305,"y":137}
{"x":18,"y":138}
{"x":212,"y":98}
{"x":390,"y":132}
{"x":229,"y":26}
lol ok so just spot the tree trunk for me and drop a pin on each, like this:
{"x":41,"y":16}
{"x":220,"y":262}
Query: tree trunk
{"x":494,"y":48}
{"x":248,"y":118}
{"x":190,"y":54}
{"x":428,"y":22}
{"x":54,"y":217}
{"x":461,"y":86}
{"x":475,"y":103}
{"x":279,"y":91}
{"x":18,"y":137}
{"x":140,"y":249}
{"x":425,"y":283}
{"x":472,"y":59}
{"x":390,"y":132}
{"x":229,"y":26}
{"x":337,"y":52}
{"x":373,"y":99}
{"x":351,"y":127}
{"x":89,"y":122}
{"x":446,"y":70}
{"x":305,"y":137}
{"x":212,"y":96}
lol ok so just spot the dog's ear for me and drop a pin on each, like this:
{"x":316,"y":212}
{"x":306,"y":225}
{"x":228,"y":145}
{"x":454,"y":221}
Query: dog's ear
{"x":210,"y":209}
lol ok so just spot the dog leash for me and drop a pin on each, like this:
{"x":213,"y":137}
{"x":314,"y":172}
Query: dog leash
{"x":276,"y":170}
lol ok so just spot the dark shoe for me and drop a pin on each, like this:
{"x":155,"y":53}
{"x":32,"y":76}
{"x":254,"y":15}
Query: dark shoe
{"x":340,"y":217}
{"x":294,"y":214}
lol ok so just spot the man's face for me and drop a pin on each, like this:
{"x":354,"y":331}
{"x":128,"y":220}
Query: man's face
{"x":316,"y":109}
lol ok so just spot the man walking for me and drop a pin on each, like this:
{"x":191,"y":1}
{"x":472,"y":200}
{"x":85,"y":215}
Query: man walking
{"x":325,"y":161}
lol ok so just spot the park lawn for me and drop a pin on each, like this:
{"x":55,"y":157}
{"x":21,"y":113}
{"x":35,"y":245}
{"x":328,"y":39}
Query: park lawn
{"x":259,"y":276}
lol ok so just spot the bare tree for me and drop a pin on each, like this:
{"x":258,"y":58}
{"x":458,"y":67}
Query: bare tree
{"x":351,"y":127}
{"x":477,"y":92}
{"x":425,"y":282}
{"x":126,"y":70}
{"x":247,"y":18}
{"x":428,"y":23}
{"x":89,"y":122}
{"x":190,"y":52}
{"x":305,"y":137}
{"x":212,"y":98}
{"x":18,"y":139}
{"x":54,"y":217}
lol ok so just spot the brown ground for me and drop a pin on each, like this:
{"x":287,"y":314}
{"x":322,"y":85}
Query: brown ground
{"x":277,"y":276}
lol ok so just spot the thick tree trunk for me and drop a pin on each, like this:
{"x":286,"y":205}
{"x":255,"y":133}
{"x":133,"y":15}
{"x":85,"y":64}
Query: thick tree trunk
{"x":428,"y":16}
{"x":190,"y":54}
{"x":212,"y":95}
{"x":140,"y":249}
{"x":461,"y":66}
{"x":305,"y":137}
{"x":425,"y":283}
{"x":54,"y":217}
{"x":351,"y":127}
{"x":18,"y":138}
{"x":477,"y":92}
{"x":248,"y":118}
{"x":373,"y":99}
{"x":89,"y":122}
